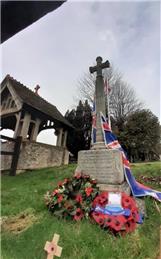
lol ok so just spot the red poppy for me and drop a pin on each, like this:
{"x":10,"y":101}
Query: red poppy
{"x":98,"y":217}
{"x":103,"y":201}
{"x":128,"y":202}
{"x":55,"y":192}
{"x":104,"y":195}
{"x":100,"y":200}
{"x":88,"y":191}
{"x":86,"y":176}
{"x":135,"y":214}
{"x":50,"y":248}
{"x":60,"y":184}
{"x":78,"y":175}
{"x":79,"y":198}
{"x":93,"y":181}
{"x":66,"y":180}
{"x":108,"y":220}
{"x":60,"y":198}
{"x":101,"y":221}
{"x":78,"y":214}
{"x":130,"y":225}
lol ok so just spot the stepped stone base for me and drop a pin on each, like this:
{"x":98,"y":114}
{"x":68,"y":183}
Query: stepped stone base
{"x":141,"y":206}
{"x":102,"y":164}
{"x":124,"y":187}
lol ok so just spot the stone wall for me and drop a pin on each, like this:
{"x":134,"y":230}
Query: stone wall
{"x":35,"y":155}
{"x":6,"y":160}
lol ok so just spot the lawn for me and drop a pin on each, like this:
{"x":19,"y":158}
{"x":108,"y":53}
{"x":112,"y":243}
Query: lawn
{"x":29,"y":224}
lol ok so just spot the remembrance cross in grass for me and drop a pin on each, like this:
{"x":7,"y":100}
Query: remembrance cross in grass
{"x":99,"y":98}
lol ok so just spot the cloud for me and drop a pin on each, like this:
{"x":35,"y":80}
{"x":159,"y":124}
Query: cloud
{"x":55,"y":51}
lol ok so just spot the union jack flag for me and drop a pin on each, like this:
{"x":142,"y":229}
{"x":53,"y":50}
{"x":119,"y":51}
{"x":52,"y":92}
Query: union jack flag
{"x":107,"y":88}
{"x":137,"y":188}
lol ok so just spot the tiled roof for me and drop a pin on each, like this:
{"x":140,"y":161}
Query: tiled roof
{"x":30,"y":98}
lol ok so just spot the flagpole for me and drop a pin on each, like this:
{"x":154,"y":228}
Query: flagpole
{"x":108,"y":105}
{"x":107,"y":91}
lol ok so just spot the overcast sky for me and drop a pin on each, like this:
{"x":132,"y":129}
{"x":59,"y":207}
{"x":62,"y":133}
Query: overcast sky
{"x":55,"y":51}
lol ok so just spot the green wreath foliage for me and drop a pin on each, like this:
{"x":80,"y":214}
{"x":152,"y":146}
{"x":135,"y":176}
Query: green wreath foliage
{"x":72,"y":199}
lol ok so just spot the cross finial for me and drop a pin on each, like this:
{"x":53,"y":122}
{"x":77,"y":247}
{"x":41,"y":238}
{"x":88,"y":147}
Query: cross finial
{"x":98,"y":68}
{"x":37,"y":87}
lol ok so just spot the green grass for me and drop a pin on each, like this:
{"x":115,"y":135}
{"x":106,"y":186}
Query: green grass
{"x":148,"y":169}
{"x":81,"y":240}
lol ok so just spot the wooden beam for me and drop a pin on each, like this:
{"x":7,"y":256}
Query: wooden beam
{"x":6,"y":153}
{"x":15,"y":156}
{"x":7,"y":138}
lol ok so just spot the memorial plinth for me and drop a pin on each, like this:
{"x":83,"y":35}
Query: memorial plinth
{"x":106,"y":167}
{"x":102,"y":164}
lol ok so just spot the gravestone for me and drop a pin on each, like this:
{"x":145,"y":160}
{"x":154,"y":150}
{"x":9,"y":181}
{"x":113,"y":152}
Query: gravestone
{"x":100,"y":163}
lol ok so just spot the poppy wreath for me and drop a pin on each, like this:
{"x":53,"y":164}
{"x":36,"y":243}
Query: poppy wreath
{"x":116,"y":223}
{"x":72,"y":199}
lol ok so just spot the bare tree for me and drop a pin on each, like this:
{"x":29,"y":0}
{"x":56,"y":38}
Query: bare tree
{"x":123,"y":100}
{"x":86,"y":86}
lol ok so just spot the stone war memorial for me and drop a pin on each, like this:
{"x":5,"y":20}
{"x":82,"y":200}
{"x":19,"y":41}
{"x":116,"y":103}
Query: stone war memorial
{"x":101,"y":163}
{"x":26,"y":113}
{"x":102,"y":187}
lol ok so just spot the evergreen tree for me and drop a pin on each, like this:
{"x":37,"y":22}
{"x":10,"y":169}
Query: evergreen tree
{"x":79,"y":138}
{"x":140,"y":136}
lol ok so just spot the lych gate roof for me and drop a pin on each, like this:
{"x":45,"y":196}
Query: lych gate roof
{"x":17,"y":15}
{"x":30,"y":98}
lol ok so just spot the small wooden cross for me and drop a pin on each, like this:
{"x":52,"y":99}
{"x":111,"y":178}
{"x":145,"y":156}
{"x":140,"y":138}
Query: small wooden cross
{"x":52,"y":248}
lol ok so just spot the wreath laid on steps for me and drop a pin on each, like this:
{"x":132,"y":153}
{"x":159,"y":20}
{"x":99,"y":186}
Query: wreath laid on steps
{"x":72,"y":199}
{"x":79,"y":197}
{"x":123,"y":220}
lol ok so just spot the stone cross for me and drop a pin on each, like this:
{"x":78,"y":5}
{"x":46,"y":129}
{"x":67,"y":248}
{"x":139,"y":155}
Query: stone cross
{"x":52,"y":247}
{"x":100,"y":98}
{"x":99,"y":66}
